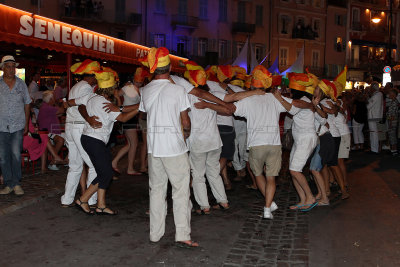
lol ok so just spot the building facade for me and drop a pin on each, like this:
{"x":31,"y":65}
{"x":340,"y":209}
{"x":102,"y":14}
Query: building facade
{"x":335,"y":49}
{"x":298,"y":25}
{"x":367,"y":48}
{"x":332,"y":33}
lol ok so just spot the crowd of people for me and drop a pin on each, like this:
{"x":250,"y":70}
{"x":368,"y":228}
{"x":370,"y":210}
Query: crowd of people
{"x":193,"y":126}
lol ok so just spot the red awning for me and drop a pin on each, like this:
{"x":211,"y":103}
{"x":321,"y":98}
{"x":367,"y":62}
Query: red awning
{"x":24,"y":28}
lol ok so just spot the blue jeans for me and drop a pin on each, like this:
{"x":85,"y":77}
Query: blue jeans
{"x":10,"y":157}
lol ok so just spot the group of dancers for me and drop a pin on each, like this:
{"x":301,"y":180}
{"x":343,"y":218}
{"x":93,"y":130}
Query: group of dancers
{"x":194,"y":126}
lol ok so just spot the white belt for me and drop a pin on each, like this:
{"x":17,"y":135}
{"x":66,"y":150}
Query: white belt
{"x":75,"y":122}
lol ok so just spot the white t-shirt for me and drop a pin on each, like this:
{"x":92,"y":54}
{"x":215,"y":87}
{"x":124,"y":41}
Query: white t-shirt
{"x":303,"y":121}
{"x":341,"y":124}
{"x":94,"y":105}
{"x":262,"y":113}
{"x":236,"y":88}
{"x":131,"y":95}
{"x":182,"y":82}
{"x":33,"y":89}
{"x":319,"y":123}
{"x":331,"y":119}
{"x":80,"y":89}
{"x":219,"y":92}
{"x":204,"y":136}
{"x":287,"y":123}
{"x":164,"y":101}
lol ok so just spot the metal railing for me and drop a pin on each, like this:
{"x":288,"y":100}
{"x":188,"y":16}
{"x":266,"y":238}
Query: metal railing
{"x":184,"y":20}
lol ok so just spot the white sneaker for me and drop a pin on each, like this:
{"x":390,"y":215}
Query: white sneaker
{"x":267,"y":213}
{"x":385,"y":147}
{"x":53,"y":167}
{"x":274,"y":207}
{"x":18,"y":190}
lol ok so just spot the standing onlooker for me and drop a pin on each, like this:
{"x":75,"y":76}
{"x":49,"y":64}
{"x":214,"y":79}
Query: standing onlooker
{"x":168,"y":125}
{"x":392,"y":116}
{"x":34,"y":87}
{"x":14,"y":118}
{"x":375,"y":114}
{"x":360,"y":117}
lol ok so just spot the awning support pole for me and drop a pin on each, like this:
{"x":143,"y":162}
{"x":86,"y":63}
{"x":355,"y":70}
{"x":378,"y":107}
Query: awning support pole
{"x":69,"y":76}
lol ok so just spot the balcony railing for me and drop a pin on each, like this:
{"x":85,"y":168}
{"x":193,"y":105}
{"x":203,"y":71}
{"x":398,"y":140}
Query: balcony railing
{"x":239,"y":27}
{"x":304,"y":33}
{"x":185,"y":21}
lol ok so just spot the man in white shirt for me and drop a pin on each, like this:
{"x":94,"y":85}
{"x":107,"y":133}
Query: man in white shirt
{"x":168,"y":125}
{"x":375,"y":114}
{"x":73,"y":130}
{"x":263,"y":140}
{"x":204,"y":143}
{"x":34,"y":87}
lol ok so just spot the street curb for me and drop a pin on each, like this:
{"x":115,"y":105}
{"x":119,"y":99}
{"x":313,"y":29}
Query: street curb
{"x":29,"y":201}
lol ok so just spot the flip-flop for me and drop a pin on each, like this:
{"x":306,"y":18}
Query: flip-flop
{"x":181,"y":244}
{"x":203,"y":212}
{"x":220,"y":207}
{"x":309,"y":207}
{"x":296,"y":207}
{"x":323,"y":204}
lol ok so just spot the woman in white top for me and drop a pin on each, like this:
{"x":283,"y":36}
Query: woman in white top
{"x":131,"y":95}
{"x":94,"y":140}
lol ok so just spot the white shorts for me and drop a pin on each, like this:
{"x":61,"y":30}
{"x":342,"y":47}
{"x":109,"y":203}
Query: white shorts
{"x":302,"y":149}
{"x":344,"y":149}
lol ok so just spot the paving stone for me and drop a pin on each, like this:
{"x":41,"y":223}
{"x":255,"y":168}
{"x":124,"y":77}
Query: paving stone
{"x":279,"y":242}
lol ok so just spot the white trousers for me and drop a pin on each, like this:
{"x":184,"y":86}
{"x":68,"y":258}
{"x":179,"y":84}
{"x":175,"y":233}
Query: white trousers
{"x":241,"y":156}
{"x":373,"y":135}
{"x":358,"y":135}
{"x":207,"y":164}
{"x":77,"y":155}
{"x":177,"y":171}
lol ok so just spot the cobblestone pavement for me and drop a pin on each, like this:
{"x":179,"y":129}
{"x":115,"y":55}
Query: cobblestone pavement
{"x":282,"y":241}
{"x":36,"y":186}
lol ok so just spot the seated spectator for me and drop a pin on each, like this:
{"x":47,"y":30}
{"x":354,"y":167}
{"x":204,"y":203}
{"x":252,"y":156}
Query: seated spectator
{"x":37,"y":146}
{"x":61,"y":89}
{"x":48,"y":120}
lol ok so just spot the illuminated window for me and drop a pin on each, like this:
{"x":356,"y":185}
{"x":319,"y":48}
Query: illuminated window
{"x":338,"y":44}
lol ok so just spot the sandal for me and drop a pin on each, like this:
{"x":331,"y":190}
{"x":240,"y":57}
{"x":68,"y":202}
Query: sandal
{"x":102,"y":212}
{"x":116,"y":170}
{"x":202,"y":212}
{"x":309,"y":207}
{"x":296,"y":207}
{"x":320,"y":203}
{"x":79,"y":207}
{"x":190,"y":244}
{"x":220,"y":207}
